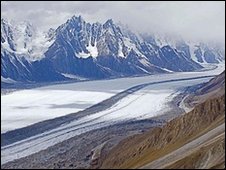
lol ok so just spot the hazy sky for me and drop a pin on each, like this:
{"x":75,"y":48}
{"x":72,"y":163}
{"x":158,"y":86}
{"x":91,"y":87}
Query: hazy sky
{"x":191,"y":20}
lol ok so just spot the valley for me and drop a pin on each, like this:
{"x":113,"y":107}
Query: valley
{"x":112,"y":85}
{"x":118,"y":98}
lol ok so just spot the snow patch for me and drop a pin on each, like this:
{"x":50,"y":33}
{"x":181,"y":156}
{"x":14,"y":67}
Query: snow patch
{"x":142,"y":69}
{"x":72,"y":76}
{"x":93,"y":51}
{"x":131,"y":46}
{"x":144,"y":62}
{"x":167,"y":70}
{"x":120,"y":53}
{"x":83,"y":55}
{"x":5,"y":46}
{"x":7,"y":80}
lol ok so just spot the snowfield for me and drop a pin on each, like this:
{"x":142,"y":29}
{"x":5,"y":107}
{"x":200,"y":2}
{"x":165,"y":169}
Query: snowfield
{"x":23,"y":108}
{"x":26,"y":107}
{"x":145,"y":103}
{"x":29,"y":106}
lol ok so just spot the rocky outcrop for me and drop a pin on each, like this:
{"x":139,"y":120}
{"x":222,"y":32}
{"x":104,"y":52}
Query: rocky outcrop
{"x":212,"y":89}
{"x":141,"y":149}
{"x":209,"y":112}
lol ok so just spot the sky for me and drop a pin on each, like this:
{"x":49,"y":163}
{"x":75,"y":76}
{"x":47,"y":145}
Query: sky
{"x":197,"y":20}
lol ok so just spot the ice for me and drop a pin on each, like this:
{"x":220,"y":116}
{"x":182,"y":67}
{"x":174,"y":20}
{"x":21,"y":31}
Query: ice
{"x":82,"y":55}
{"x":142,"y":69}
{"x":146,"y":103}
{"x":72,"y":76}
{"x":7,"y":80}
{"x":170,"y":71}
{"x":144,"y":62}
{"x":39,"y":46}
{"x":28,"y":41}
{"x":26,"y":107}
{"x":5,"y":45}
{"x":131,"y":46}
{"x":51,"y":101}
{"x":93,"y":52}
{"x":120,"y":53}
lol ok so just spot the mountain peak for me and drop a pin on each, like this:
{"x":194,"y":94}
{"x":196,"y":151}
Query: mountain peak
{"x":108,"y":23}
{"x":26,"y":23}
{"x":77,"y":18}
{"x":115,"y":48}
{"x":3,"y":20}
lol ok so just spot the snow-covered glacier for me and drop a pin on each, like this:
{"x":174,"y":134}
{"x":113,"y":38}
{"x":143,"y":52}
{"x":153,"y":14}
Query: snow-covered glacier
{"x":25,"y":107}
{"x":149,"y":101}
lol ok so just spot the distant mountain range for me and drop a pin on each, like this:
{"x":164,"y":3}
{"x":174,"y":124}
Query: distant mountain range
{"x":78,"y":49}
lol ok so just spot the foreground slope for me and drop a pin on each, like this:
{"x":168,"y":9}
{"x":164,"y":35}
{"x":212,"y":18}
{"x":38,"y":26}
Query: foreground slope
{"x":193,"y":140}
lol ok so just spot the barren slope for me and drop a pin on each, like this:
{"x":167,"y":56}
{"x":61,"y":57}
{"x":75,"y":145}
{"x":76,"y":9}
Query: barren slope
{"x":214,"y":88}
{"x":193,"y":140}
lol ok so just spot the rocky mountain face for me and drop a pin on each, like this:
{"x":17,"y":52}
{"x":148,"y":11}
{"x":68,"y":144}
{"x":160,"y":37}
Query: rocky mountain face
{"x":198,"y":51}
{"x":218,"y":82}
{"x":195,"y":140}
{"x":22,"y":54}
{"x":214,"y":88}
{"x":93,"y":51}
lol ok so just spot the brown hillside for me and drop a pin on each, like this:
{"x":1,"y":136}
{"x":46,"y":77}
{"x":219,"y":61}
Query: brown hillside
{"x":212,"y":89}
{"x":139,"y":150}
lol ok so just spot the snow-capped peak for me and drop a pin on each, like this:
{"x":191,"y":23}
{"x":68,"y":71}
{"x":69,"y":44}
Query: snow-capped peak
{"x":24,"y":39}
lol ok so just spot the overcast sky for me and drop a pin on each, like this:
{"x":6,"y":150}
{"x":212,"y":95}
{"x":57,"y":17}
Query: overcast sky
{"x":192,"y":20}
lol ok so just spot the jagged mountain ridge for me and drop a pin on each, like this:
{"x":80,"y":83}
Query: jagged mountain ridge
{"x":86,"y":50}
{"x":22,"y":50}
